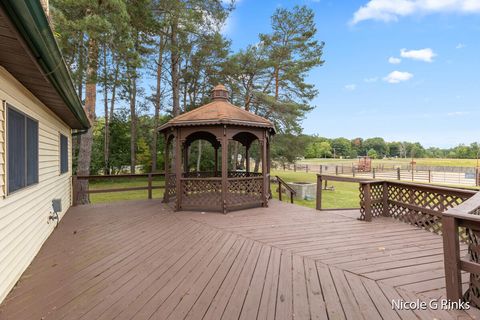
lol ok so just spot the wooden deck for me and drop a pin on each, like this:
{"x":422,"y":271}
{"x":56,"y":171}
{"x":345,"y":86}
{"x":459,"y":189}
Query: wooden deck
{"x":139,"y":260}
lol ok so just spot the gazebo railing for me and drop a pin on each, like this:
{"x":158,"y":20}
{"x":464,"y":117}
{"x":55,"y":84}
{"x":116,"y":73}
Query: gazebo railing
{"x":244,"y":191}
{"x":201,"y":193}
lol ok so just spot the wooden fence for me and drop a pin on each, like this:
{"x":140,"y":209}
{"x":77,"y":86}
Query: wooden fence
{"x":467,"y":176}
{"x":79,"y":189}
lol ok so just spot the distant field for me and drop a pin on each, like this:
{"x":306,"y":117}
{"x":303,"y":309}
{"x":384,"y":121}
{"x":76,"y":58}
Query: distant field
{"x":391,"y":162}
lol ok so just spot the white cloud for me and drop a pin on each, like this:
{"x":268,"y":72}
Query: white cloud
{"x":371,"y":80}
{"x":457,"y":113}
{"x":350,"y":87}
{"x":392,"y":10}
{"x":394,"y":60}
{"x":398,"y":76}
{"x":426,"y":54}
{"x":460,"y":46}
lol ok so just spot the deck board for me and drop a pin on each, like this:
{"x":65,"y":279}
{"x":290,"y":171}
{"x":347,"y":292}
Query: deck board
{"x":140,"y":260}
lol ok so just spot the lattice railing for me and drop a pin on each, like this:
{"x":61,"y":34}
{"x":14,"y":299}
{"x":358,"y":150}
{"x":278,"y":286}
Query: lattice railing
{"x":371,"y":199}
{"x":243,"y":174}
{"x":244,"y":191}
{"x":420,"y":205}
{"x":170,"y":187}
{"x":202,"y":193}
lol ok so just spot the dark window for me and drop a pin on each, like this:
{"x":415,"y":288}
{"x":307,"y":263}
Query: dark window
{"x":22,"y":149}
{"x":63,"y":154}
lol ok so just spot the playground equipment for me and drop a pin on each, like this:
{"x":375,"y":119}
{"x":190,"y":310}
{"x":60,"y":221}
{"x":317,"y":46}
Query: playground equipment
{"x":364,"y":164}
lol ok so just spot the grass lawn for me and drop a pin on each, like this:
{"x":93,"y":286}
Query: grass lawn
{"x":345,"y":194}
{"x":124,"y":195}
{"x":391,"y":162}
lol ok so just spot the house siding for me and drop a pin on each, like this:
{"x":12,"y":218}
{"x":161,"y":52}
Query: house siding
{"x":24,"y":224}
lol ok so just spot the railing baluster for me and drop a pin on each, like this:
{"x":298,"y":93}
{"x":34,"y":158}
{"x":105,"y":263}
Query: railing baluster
{"x":451,"y":250}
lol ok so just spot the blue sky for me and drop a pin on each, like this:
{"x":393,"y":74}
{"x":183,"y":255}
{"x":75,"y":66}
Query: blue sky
{"x":428,"y":91}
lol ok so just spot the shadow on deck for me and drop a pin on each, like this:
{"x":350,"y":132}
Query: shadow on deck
{"x":139,"y":260}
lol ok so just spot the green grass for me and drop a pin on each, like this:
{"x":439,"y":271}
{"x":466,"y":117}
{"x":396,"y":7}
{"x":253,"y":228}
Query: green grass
{"x":123,"y":195}
{"x":345,"y":194}
{"x":391,"y":162}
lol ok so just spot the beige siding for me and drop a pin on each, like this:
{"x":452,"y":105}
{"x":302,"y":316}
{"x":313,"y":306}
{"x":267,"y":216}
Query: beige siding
{"x":24,"y":214}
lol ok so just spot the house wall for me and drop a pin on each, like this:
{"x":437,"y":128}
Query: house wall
{"x":24,"y":224}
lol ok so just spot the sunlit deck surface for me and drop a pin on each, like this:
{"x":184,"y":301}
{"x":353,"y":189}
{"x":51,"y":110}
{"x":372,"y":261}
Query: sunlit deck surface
{"x":140,"y":260}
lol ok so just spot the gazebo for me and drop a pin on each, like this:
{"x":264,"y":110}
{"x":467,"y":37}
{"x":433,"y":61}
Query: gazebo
{"x":224,"y":186}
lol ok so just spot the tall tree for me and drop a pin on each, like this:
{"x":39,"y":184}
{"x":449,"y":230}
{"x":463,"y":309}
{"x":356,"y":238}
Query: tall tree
{"x":95,"y":21}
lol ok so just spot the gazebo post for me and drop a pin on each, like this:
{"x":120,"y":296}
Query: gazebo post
{"x":224,"y":169}
{"x":178,"y":170}
{"x":268,"y":168}
{"x":264,"y":169}
{"x":216,"y":161}
{"x":247,"y":159}
{"x":185,"y":158}
{"x":167,"y":164}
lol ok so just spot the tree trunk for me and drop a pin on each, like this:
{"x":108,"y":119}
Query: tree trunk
{"x":85,"y":152}
{"x":175,"y":58}
{"x":133,"y":121}
{"x":158,"y":101}
{"x":106,"y":138}
{"x":257,"y":163}
{"x":199,"y":156}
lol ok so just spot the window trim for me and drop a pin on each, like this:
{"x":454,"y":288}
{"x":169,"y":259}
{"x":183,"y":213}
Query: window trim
{"x":9,"y":107}
{"x":60,"y":135}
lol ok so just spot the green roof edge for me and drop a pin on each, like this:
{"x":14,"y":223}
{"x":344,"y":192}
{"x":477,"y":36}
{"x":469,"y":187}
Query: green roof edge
{"x":31,"y":22}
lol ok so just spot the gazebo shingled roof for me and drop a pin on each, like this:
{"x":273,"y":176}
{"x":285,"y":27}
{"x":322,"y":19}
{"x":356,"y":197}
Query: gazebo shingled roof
{"x":219,"y":111}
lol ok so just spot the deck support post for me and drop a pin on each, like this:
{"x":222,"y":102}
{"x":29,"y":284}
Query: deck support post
{"x":150,"y":186}
{"x":319,"y":192}
{"x":385,"y":211}
{"x":451,"y":250}
{"x":367,"y":198}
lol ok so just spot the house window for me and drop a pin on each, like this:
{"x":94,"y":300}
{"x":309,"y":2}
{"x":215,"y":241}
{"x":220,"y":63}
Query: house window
{"x":63,"y":154}
{"x":22,"y":150}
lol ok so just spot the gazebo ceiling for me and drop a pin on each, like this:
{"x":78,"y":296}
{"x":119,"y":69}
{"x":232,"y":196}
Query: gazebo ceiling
{"x":219,"y":111}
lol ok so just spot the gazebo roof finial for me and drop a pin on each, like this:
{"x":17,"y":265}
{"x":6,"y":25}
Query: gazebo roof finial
{"x":220,"y":92}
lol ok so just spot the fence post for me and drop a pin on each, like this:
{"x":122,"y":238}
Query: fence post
{"x":429,"y":176}
{"x":291,"y":197}
{"x":477,"y":177}
{"x":321,"y":169}
{"x":451,"y":254}
{"x":336,"y":170}
{"x":413,"y":174}
{"x":306,"y":168}
{"x":353,"y":172}
{"x":319,"y":192}
{"x":367,"y":204}
{"x":398,"y":173}
{"x":279,"y":190}
{"x":386,"y":212}
{"x":373,"y":173}
{"x":294,"y":167}
{"x":149,"y":186}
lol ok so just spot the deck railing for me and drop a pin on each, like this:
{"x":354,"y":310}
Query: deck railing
{"x":79,"y":189}
{"x":283,"y":184}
